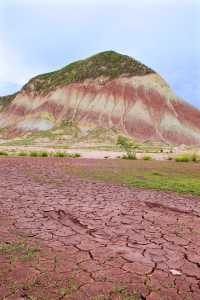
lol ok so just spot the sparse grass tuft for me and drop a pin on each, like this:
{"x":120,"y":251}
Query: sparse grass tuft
{"x":131,"y":157}
{"x":44,"y":154}
{"x":182,"y":158}
{"x":3,"y":153}
{"x":147,"y":158}
{"x":21,"y":249}
{"x":34,"y":153}
{"x":194,"y":157}
{"x":60,"y":154}
{"x":125,"y":294}
{"x":39,"y":154}
{"x":187,"y":157}
{"x":22,"y":153}
{"x":100,"y":297}
{"x":76,"y":155}
{"x":64,"y":154}
{"x":71,"y":286}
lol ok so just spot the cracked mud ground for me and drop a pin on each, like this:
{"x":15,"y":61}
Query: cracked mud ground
{"x":96,"y":240}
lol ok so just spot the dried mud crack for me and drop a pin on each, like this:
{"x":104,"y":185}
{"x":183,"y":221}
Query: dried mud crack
{"x":63,"y":237}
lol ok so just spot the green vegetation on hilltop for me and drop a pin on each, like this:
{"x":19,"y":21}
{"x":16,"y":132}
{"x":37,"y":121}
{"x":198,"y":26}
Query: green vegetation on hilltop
{"x":108,"y":64}
{"x":6,"y":100}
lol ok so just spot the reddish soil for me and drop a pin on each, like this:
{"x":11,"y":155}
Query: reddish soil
{"x":95,"y":240}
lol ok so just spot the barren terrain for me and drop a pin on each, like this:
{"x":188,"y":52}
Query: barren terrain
{"x":68,"y":237}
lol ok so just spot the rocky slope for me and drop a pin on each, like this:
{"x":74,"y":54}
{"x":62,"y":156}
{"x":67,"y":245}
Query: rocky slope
{"x":107,"y":90}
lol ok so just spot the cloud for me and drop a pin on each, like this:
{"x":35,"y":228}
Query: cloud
{"x":11,"y":66}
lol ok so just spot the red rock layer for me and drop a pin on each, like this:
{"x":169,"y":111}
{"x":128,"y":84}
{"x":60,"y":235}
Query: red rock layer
{"x":146,"y":110}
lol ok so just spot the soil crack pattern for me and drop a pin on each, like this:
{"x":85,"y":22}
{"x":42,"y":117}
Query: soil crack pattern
{"x":110,"y":241}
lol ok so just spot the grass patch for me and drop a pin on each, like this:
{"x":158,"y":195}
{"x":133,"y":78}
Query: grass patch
{"x":44,"y":154}
{"x":60,"y":154}
{"x":125,"y":294}
{"x":129,"y":157}
{"x":39,"y":154}
{"x":18,"y":249}
{"x":147,"y":158}
{"x":3,"y":153}
{"x":182,"y":158}
{"x":194,"y":157}
{"x":70,"y":288}
{"x":187,"y":157}
{"x":64,"y":154}
{"x":161,"y":175}
{"x":6,"y":100}
{"x":22,"y":153}
{"x":34,"y":153}
{"x":23,"y":141}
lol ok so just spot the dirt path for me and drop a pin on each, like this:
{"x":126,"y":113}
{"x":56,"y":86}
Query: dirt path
{"x":113,"y":242}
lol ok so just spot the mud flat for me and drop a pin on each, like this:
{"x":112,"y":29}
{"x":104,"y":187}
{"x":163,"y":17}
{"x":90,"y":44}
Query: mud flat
{"x":67,"y":237}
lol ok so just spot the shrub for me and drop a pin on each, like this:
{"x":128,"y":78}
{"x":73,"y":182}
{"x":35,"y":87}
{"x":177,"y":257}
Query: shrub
{"x":3,"y":153}
{"x":64,"y":154}
{"x":128,"y":146}
{"x":194,"y":157}
{"x":22,"y":153}
{"x":39,"y":154}
{"x":131,"y":157}
{"x":147,"y":158}
{"x":183,"y":158}
{"x":34,"y":153}
{"x":59,"y":154}
{"x":157,"y":173}
{"x":44,"y":154}
{"x":187,"y":157}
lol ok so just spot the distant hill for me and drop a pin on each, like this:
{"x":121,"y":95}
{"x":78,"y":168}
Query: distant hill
{"x":105,"y":91}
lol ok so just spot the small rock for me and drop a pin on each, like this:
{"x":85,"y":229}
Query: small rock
{"x":175,"y":272}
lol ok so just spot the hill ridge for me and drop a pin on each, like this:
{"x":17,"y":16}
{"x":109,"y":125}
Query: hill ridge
{"x":109,"y":64}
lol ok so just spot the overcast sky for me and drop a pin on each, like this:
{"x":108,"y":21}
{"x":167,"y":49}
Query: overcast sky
{"x":38,"y":36}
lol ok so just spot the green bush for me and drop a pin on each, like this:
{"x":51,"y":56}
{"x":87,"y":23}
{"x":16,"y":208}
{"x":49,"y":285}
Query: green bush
{"x":194,"y":157}
{"x":128,"y":146}
{"x":34,"y":153}
{"x":147,"y":158}
{"x":44,"y":154}
{"x":39,"y":153}
{"x":59,"y":154}
{"x":22,"y":153}
{"x":183,"y":158}
{"x":130,"y":156}
{"x":3,"y":153}
{"x":64,"y":154}
{"x":187,"y":157}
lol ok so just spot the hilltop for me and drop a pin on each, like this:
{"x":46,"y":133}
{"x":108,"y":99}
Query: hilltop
{"x":109,"y":64}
